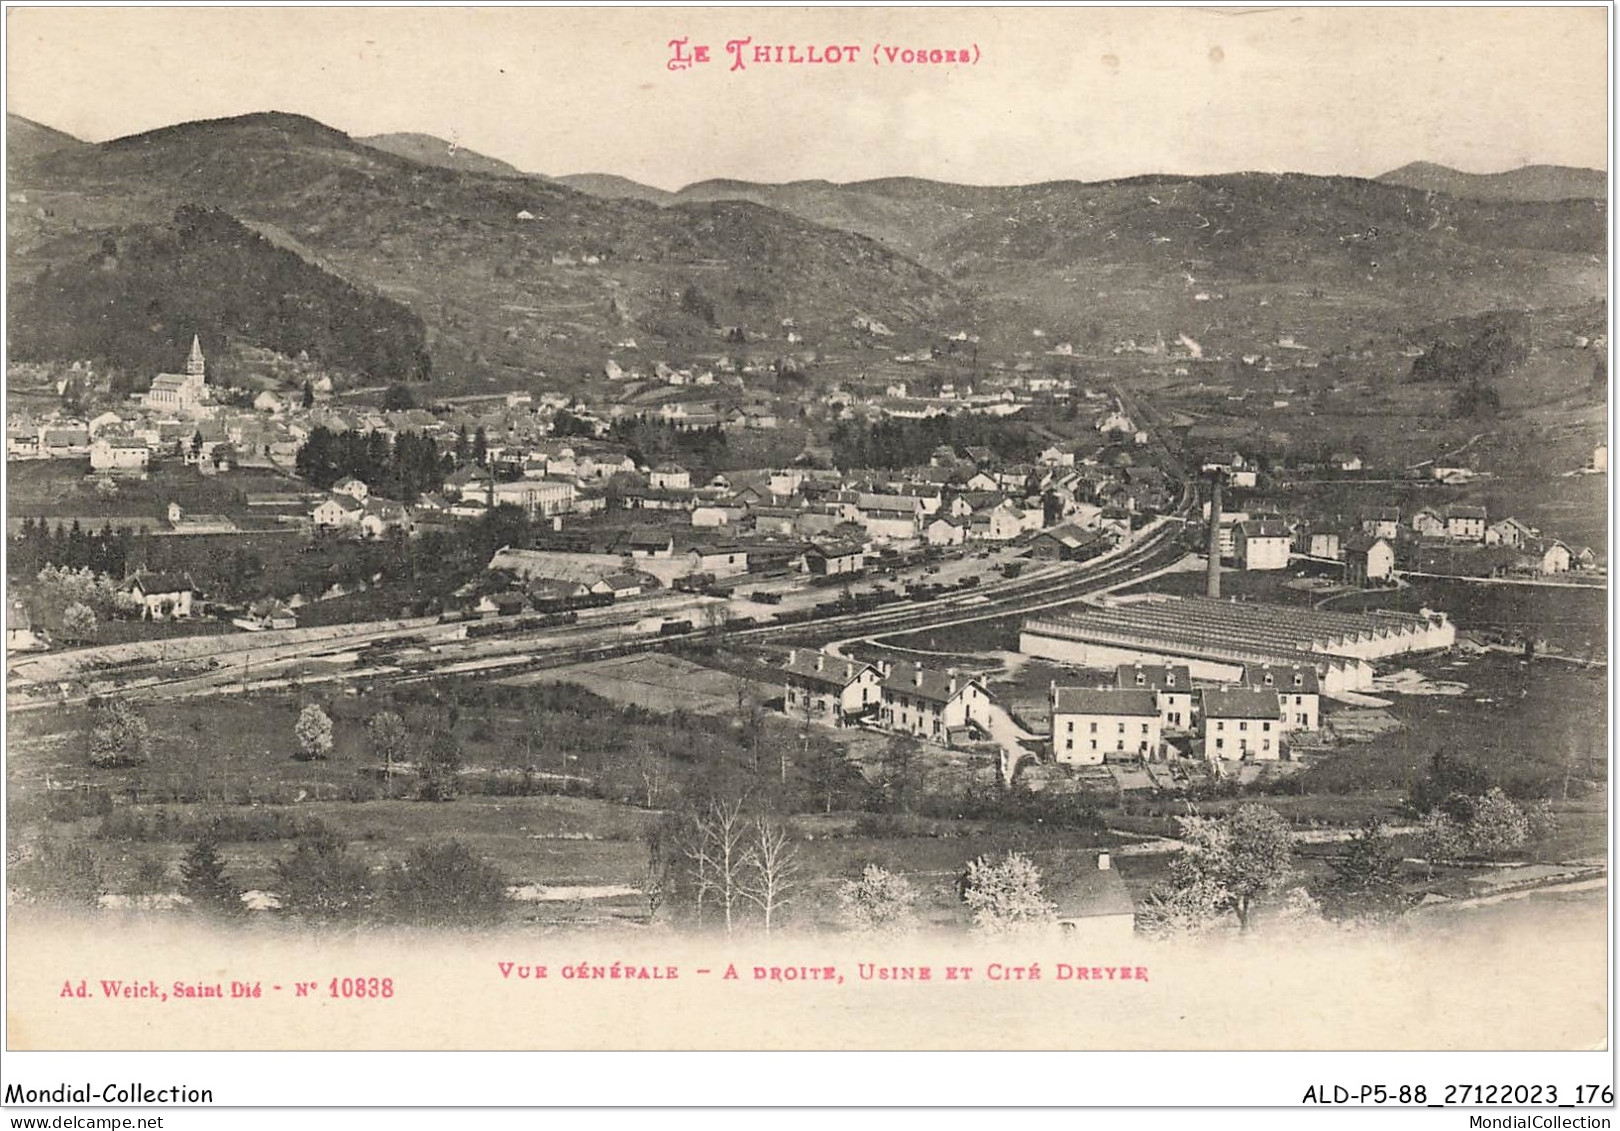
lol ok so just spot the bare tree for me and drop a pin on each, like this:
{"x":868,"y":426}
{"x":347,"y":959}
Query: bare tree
{"x":717,"y":851}
{"x":772,"y":865}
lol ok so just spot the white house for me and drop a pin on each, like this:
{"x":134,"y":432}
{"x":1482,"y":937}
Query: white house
{"x":351,"y":487}
{"x":928,"y":703}
{"x":1172,"y":688}
{"x":337,"y":511}
{"x":669,"y":477}
{"x":1261,"y":544}
{"x":1298,"y":691}
{"x":1091,"y":724}
{"x":162,"y":594}
{"x":828,"y":689}
{"x":119,"y":454}
{"x":1241,"y":724}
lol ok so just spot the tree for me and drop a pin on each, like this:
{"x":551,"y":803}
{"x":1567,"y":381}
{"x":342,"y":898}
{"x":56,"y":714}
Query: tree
{"x":880,"y":903}
{"x":446,"y":885}
{"x":717,"y":854}
{"x":78,"y":623}
{"x":63,"y":872}
{"x":398,"y":398}
{"x":1243,"y":857}
{"x":831,"y":779}
{"x":771,"y":864}
{"x":1448,"y":775}
{"x":308,"y":399}
{"x":1366,"y":878}
{"x":658,"y":878}
{"x":119,"y":735}
{"x":480,"y":448}
{"x":1499,"y":826}
{"x":321,"y":882}
{"x":440,"y":768}
{"x":1184,"y":909}
{"x":1005,"y":896}
{"x":389,"y":739}
{"x":314,"y":732}
{"x":1445,"y":839}
{"x":203,"y":880}
{"x":900,"y":772}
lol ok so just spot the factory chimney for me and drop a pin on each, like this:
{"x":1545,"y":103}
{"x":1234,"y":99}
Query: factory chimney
{"x":1212,"y":587}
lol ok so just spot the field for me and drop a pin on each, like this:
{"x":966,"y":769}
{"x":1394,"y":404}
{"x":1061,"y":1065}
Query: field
{"x":58,"y":487}
{"x":656,"y":681}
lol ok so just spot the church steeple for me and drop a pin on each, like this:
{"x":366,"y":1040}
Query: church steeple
{"x":195,"y":366}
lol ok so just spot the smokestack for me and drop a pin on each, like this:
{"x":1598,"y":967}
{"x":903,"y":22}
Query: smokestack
{"x":1103,"y":862}
{"x":849,"y":671}
{"x":821,"y":661}
{"x":1213,"y":575}
{"x":793,"y":656}
{"x":916,"y":677}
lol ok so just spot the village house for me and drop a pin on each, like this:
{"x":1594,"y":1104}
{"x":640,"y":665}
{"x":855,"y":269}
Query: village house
{"x":1368,"y":559}
{"x":945,"y":532}
{"x":337,"y":512}
{"x":709,"y":516}
{"x":1298,"y":690}
{"x":931,"y":704}
{"x":352,"y":487}
{"x":1465,"y":523}
{"x":119,"y":455}
{"x":1261,"y":544}
{"x":644,"y":543}
{"x":1090,"y":725}
{"x":1429,"y":523}
{"x":540,"y":498}
{"x":1067,"y":543}
{"x":20,"y":634}
{"x":1240,"y":724}
{"x":162,"y":595}
{"x":669,"y":477}
{"x":1092,"y":906}
{"x":829,"y":690}
{"x":1172,"y":688}
{"x":718,"y":561}
{"x":774,"y":520}
{"x":1382,"y":522}
{"x":828,"y":559}
{"x":1510,"y":532}
{"x":1555,"y":558}
{"x":1001,"y":524}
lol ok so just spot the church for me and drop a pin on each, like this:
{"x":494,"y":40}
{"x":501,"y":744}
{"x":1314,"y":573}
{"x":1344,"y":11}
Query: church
{"x":181,"y":392}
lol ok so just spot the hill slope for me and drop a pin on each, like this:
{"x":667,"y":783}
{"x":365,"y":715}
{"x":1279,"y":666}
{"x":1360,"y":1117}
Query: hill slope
{"x":500,"y":294}
{"x":425,"y":149}
{"x":1529,"y":183}
{"x":26,"y":138}
{"x":135,"y":302}
{"x":612,"y":187}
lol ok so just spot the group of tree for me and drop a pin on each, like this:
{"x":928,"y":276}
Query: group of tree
{"x":402,"y":468}
{"x":910,"y":443}
{"x":38,"y":543}
{"x":651,"y":442}
{"x":323,"y":883}
{"x":1465,"y":814}
{"x":724,"y":863}
{"x":135,"y":302}
{"x":71,"y":602}
{"x":1478,"y":349}
{"x":432,"y":748}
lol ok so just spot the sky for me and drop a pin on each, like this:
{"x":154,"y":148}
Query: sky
{"x":1072,"y":92}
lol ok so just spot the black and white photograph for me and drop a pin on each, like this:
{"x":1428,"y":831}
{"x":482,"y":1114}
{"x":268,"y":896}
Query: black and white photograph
{"x":1067,"y":529}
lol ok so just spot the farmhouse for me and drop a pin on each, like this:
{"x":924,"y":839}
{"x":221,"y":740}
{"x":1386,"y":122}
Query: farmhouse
{"x":356,"y":489}
{"x":1382,"y":522}
{"x":162,"y":594}
{"x":669,"y":477}
{"x":1090,"y":725}
{"x":1510,"y":532}
{"x":929,"y":704}
{"x":829,"y":690}
{"x":1241,"y":724}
